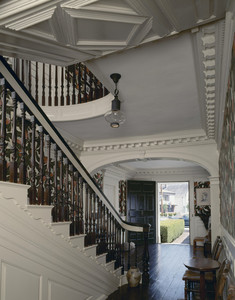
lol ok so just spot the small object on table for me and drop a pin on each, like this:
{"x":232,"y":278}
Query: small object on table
{"x":202,"y":265}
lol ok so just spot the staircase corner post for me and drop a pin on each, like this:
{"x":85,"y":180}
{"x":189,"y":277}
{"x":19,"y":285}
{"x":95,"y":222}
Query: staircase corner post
{"x":145,"y":275}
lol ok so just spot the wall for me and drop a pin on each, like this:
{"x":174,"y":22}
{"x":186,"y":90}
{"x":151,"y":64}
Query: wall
{"x":227,"y":150}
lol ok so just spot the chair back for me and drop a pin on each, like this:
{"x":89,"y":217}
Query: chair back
{"x":218,"y":251}
{"x":215,"y":246}
{"x":221,"y":279}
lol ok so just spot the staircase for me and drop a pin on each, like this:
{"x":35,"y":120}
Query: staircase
{"x":41,"y":257}
{"x":60,"y":236}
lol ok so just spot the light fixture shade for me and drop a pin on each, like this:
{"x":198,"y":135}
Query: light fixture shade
{"x":115,"y":118}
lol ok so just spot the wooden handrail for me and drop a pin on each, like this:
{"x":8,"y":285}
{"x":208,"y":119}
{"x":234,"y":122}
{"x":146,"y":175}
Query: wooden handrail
{"x":39,"y":156}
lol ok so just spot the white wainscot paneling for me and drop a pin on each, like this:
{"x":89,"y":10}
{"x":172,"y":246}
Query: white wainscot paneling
{"x":19,"y":284}
{"x":58,"y":291}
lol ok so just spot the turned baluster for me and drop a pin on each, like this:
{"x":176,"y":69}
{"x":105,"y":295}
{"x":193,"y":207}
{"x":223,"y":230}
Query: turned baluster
{"x":114,"y":237}
{"x":94,"y":217}
{"x":86,"y":214}
{"x":62,"y":87}
{"x":22,"y":166}
{"x":43,"y":85}
{"x":68,"y":87}
{"x":3,"y":164}
{"x":29,"y":76}
{"x":66,"y":193}
{"x":107,"y":228}
{"x":33,"y":166}
{"x":80,"y":199}
{"x":85,"y":83}
{"x":79,"y":83}
{"x":74,"y":83}
{"x":110,"y":236}
{"x":22,"y":71}
{"x":49,"y":88}
{"x":76,"y":205}
{"x":123,"y":250}
{"x":72,"y":202}
{"x":17,"y":66}
{"x":145,"y":275}
{"x":41,"y":167}
{"x":13,"y":162}
{"x":91,"y":86}
{"x":118,"y":246}
{"x":56,"y":198}
{"x":90,"y":214}
{"x":36,"y":83}
{"x":61,"y":192}
{"x":48,"y":172}
{"x":56,"y":86}
{"x":98,"y":224}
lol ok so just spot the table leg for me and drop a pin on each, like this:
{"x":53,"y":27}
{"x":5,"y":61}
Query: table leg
{"x":202,"y":286}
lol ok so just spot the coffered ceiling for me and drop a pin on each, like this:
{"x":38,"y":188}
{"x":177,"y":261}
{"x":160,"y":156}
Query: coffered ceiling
{"x":77,"y":30}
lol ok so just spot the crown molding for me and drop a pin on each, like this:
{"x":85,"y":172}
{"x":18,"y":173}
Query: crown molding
{"x":208,"y":42}
{"x":147,"y":143}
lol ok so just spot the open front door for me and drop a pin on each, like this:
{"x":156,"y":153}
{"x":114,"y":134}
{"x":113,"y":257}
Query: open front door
{"x":141,"y":206}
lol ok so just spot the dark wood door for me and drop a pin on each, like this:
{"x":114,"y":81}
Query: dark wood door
{"x":141,"y":207}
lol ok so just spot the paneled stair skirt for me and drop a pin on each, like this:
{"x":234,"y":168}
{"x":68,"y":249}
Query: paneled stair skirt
{"x":40,"y":261}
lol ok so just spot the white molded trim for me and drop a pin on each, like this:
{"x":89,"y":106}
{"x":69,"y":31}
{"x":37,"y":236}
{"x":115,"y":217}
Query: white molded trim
{"x":79,"y":111}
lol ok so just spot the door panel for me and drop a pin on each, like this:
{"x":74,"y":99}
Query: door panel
{"x":141,"y":206}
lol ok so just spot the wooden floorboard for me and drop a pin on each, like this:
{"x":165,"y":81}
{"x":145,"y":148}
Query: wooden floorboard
{"x":166,"y":272}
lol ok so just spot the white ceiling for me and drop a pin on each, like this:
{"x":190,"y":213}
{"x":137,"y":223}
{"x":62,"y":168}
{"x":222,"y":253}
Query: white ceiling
{"x":168,"y":53}
{"x":158,"y":90}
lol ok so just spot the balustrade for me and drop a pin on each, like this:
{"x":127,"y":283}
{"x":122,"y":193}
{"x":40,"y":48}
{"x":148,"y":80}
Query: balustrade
{"x":50,"y":84}
{"x":33,"y":152}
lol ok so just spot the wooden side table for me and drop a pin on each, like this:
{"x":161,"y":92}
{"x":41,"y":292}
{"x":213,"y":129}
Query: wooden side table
{"x":203,"y":265}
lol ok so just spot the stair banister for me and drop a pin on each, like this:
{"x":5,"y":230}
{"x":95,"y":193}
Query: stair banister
{"x":59,"y":140}
{"x":51,"y":131}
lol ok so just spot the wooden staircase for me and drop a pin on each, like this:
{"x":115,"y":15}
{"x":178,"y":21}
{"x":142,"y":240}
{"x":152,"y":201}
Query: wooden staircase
{"x":59,"y":193}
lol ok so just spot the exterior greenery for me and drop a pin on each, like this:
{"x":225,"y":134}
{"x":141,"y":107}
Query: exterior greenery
{"x":171,"y":229}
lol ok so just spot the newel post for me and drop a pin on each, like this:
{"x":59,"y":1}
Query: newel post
{"x":145,"y":275}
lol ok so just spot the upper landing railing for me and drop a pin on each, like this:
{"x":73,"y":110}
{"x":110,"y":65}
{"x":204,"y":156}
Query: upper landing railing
{"x":33,"y":152}
{"x":52,"y":85}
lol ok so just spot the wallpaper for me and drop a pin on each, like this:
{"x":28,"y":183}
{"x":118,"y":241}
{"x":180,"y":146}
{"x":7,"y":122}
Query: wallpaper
{"x":227,"y":153}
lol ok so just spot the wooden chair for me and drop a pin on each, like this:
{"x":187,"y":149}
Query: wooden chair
{"x":221,"y":280}
{"x":192,"y":278}
{"x":215,"y":246}
{"x":218,"y":249}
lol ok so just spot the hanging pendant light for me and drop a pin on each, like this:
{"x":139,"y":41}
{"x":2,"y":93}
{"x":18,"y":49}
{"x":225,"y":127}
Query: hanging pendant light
{"x":115,"y":116}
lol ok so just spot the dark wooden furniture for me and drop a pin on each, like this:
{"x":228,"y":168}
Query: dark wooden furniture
{"x":203,"y":265}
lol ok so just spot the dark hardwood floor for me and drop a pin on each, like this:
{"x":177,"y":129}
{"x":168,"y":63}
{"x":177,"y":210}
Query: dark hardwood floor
{"x":166,"y":271}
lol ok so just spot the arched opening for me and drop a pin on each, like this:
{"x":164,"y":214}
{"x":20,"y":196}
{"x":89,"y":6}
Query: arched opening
{"x":157,"y":169}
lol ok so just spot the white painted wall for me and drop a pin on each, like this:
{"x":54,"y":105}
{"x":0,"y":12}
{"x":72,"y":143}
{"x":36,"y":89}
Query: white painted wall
{"x":37,"y":263}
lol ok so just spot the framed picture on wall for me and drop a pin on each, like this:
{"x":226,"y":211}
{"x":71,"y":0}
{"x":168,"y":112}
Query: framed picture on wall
{"x":203,"y":196}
